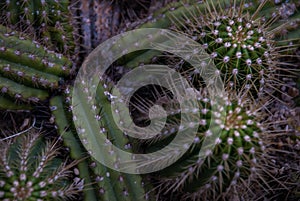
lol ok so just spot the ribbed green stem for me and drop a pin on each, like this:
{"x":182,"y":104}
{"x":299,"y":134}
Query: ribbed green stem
{"x":77,"y":152}
{"x":8,"y":104}
{"x":21,"y":92}
{"x":113,"y":185}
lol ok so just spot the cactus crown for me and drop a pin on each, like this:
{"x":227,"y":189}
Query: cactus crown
{"x":31,"y":170}
{"x":240,"y":44}
{"x":214,"y":170}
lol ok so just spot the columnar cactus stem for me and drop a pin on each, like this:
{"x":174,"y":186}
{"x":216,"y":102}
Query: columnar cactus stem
{"x":14,"y":47}
{"x":8,"y":104}
{"x":21,"y":92}
{"x":77,"y":152}
{"x":110,"y":184}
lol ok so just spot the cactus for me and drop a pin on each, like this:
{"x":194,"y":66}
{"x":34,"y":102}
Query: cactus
{"x":71,"y":141}
{"x":252,"y":44}
{"x":30,"y":72}
{"x":236,"y":158}
{"x":253,"y":68}
{"x":27,"y":69}
{"x":7,"y":104}
{"x":110,"y":184}
{"x":239,"y":44}
{"x":47,"y":21}
{"x":30,"y":169}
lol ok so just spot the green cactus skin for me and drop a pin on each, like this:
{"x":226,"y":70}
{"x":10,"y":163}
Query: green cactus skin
{"x":28,"y":76}
{"x":17,"y":49}
{"x":49,"y":21}
{"x":7,"y":104}
{"x":70,"y":140}
{"x":20,"y":92}
{"x":110,"y":185}
{"x":31,"y":170}
{"x":27,"y":69}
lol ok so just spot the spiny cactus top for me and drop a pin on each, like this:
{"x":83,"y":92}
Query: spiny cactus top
{"x":217,"y":167}
{"x":242,"y":39}
{"x":31,"y":170}
{"x":239,"y":43}
{"x":239,"y":49}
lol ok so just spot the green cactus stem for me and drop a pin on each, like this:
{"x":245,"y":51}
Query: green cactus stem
{"x":71,"y":141}
{"x":17,"y":49}
{"x":28,"y":76}
{"x":21,"y":92}
{"x":27,"y":69}
{"x":8,"y":104}
{"x":110,"y":184}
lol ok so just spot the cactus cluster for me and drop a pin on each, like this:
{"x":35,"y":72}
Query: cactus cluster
{"x":243,"y":42}
{"x":31,"y":169}
{"x":228,"y":151}
{"x":246,"y":42}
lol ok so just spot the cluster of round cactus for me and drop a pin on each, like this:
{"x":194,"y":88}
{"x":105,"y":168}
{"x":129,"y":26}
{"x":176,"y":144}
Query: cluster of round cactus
{"x":243,"y":47}
{"x":31,"y":170}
